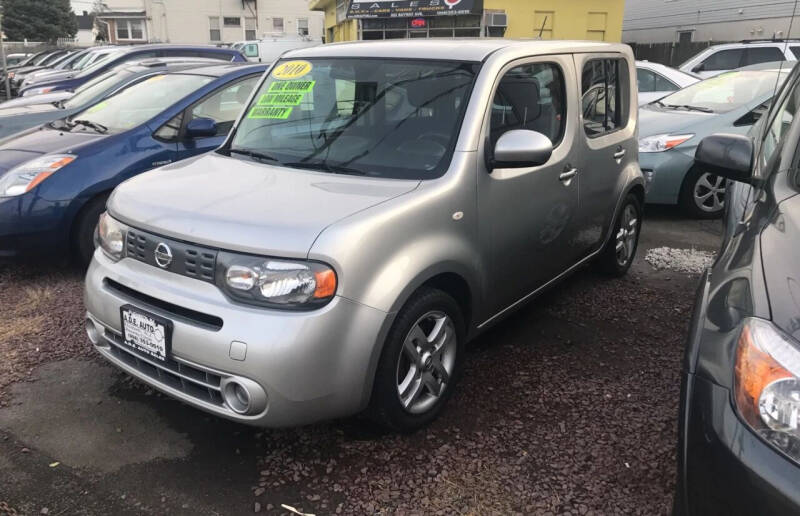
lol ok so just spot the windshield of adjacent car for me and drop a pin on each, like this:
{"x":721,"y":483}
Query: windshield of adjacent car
{"x":393,"y":118}
{"x":727,"y":91}
{"x":95,"y":87}
{"x":140,"y":102}
{"x":100,"y":61}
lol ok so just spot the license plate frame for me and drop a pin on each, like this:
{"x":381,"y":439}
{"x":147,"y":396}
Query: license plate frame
{"x":138,"y":338}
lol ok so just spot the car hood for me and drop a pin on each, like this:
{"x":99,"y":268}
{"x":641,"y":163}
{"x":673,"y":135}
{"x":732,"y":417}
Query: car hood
{"x":230,"y":203}
{"x":45,"y":98}
{"x":25,"y":110}
{"x":654,"y":120}
{"x":54,"y":75}
{"x":781,"y":263}
{"x":28,"y":145}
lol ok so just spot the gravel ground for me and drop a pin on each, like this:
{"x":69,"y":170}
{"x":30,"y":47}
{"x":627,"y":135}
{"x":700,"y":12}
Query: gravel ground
{"x":569,"y":407}
{"x":681,"y":260}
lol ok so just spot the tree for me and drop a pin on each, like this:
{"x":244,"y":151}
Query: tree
{"x":38,"y":20}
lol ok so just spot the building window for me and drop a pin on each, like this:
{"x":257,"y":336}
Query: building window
{"x":250,"y":29}
{"x":130,"y":29}
{"x":277,"y":24}
{"x":232,"y":21}
{"x":302,"y":26}
{"x":596,"y":28}
{"x":214,"y":33}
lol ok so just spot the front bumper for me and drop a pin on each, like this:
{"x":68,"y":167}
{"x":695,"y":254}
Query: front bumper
{"x":728,"y":469}
{"x":30,"y":226}
{"x":664,"y":172}
{"x":312,"y":366}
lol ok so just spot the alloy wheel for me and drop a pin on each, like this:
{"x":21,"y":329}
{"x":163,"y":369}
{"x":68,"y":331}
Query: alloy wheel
{"x":426,"y":362}
{"x":626,"y":236}
{"x":709,"y":193}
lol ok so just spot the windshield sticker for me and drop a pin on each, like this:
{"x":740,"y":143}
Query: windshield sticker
{"x":292,"y":87}
{"x":271,"y":112}
{"x":281,"y":99}
{"x":291,"y":70}
{"x":97,"y":107}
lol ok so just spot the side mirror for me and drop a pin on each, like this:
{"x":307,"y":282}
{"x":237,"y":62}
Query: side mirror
{"x":521,"y":148}
{"x":201,"y":128}
{"x":726,"y":155}
{"x":699,"y":68}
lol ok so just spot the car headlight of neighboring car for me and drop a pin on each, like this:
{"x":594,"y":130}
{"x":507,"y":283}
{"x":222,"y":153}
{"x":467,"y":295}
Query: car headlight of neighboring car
{"x":662,"y":142}
{"x":767,"y":384}
{"x":275,"y":283}
{"x":111,"y":236}
{"x":25,"y":177}
{"x":37,"y":91}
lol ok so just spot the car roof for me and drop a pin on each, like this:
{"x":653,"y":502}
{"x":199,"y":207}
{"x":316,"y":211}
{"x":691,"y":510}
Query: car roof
{"x":458,"y":49}
{"x":221,"y":70}
{"x":157,"y":46}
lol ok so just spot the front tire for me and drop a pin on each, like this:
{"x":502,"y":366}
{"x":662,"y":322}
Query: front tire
{"x":617,"y":257}
{"x":420,"y":363}
{"x":83,"y":233}
{"x":703,"y":195}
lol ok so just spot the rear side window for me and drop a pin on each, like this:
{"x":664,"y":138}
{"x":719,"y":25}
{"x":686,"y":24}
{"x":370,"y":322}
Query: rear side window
{"x":646,"y":80}
{"x":722,"y":60}
{"x":604,"y":102}
{"x":530,"y":97}
{"x":758,"y":55}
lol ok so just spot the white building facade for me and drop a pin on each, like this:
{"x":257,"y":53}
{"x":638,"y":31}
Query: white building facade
{"x":207,"y":22}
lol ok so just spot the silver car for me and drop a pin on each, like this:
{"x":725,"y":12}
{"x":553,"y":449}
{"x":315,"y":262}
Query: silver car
{"x":377,"y":206}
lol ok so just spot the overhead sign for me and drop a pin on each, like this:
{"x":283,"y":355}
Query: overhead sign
{"x":413,"y":8}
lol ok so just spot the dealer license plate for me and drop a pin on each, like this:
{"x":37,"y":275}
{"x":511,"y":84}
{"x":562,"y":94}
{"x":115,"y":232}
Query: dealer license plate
{"x":146,"y":333}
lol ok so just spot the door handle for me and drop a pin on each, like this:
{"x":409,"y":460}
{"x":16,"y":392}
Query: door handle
{"x":568,"y":174}
{"x":619,"y":154}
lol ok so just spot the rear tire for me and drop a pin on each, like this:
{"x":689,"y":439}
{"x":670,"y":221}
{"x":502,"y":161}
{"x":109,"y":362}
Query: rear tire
{"x":85,"y":225}
{"x":620,"y":250}
{"x":420,"y":363}
{"x":702,"y":195}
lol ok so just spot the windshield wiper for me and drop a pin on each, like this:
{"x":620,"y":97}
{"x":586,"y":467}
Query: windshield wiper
{"x":100,"y":128}
{"x":325,"y":167}
{"x":254,"y":154}
{"x":688,"y":107}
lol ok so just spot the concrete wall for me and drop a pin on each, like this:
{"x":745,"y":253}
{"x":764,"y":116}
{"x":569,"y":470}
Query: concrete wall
{"x":562,"y":19}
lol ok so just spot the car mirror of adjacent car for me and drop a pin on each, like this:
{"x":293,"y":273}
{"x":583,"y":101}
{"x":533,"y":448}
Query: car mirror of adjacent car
{"x":726,"y":155}
{"x":201,"y":128}
{"x":699,"y":68}
{"x":521,"y":148}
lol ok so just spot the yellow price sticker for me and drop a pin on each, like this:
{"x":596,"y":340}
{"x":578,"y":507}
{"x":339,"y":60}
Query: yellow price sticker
{"x":291,"y":70}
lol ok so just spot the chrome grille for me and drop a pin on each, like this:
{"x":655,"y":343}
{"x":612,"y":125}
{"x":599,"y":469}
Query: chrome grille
{"x":192,"y":381}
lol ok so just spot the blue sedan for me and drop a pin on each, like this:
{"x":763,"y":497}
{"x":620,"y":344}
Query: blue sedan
{"x":55,"y":179}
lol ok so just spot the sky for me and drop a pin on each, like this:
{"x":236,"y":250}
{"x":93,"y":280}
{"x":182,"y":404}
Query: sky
{"x":78,"y":6}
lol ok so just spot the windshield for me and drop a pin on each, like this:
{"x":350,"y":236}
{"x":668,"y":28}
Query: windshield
{"x":97,"y":86}
{"x":727,"y":91}
{"x":141,"y":102}
{"x":379,"y":117}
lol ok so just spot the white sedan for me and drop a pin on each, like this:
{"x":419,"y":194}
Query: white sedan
{"x":656,"y":81}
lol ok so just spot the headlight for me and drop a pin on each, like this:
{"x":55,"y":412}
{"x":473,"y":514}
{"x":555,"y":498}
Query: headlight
{"x":662,"y":142}
{"x":27,"y":176}
{"x":296,"y":284}
{"x":36,"y":91}
{"x":111,"y":236}
{"x":768,"y":385}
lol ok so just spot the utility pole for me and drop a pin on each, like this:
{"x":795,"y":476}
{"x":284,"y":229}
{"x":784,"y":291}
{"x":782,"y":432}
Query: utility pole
{"x":3,"y":54}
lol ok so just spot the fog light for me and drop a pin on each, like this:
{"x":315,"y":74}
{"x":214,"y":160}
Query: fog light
{"x":92,"y":332}
{"x":237,"y":397}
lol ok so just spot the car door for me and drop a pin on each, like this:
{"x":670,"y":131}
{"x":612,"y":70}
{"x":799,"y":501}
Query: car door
{"x":223,"y":105}
{"x":605,"y":144}
{"x":526,"y":215}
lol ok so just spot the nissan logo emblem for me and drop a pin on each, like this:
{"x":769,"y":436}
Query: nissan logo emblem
{"x":163,"y":255}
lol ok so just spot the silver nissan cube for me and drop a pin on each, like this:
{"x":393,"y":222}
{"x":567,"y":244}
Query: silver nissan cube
{"x":376,"y":206}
